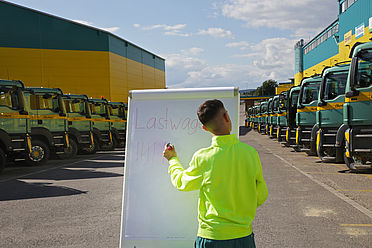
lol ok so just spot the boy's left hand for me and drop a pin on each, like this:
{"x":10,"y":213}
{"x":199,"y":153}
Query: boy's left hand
{"x":168,"y":154}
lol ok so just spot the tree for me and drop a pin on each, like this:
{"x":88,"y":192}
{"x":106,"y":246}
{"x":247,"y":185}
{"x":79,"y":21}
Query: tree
{"x":267,"y":88}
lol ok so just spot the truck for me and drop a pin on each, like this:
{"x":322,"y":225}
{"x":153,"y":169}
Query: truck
{"x":262,"y":117}
{"x":49,"y":130}
{"x":15,"y":129}
{"x":274,"y":118}
{"x":292,"y":101}
{"x":329,"y":115}
{"x":118,"y":122}
{"x":281,"y":113}
{"x":101,"y":127}
{"x":269,"y":115}
{"x":357,"y":109}
{"x":306,"y":113}
{"x":79,"y":123}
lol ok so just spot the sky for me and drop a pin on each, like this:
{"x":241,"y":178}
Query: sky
{"x":207,"y":42}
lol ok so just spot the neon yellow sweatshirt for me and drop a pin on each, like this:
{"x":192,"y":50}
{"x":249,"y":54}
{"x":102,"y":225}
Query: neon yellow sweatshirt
{"x":229,"y":177}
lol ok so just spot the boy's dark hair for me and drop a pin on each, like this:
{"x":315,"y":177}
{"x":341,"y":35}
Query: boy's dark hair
{"x":208,"y":110}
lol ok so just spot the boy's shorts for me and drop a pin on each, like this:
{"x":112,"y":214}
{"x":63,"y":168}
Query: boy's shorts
{"x":245,"y":242}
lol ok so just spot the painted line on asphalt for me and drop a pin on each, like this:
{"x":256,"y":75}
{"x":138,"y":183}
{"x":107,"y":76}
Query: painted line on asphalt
{"x":48,"y":169}
{"x":363,"y":225}
{"x":325,"y":186}
{"x":356,"y":190}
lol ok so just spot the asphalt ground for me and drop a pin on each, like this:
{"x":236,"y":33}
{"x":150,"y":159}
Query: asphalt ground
{"x":71,"y":203}
{"x":310,"y":203}
{"x":77,"y":203}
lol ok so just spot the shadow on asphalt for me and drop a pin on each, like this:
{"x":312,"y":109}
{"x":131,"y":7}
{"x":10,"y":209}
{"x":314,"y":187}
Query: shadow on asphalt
{"x":20,"y":190}
{"x":244,"y":130}
{"x":72,"y":174}
{"x":358,"y":171}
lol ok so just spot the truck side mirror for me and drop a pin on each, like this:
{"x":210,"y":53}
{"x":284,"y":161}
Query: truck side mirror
{"x":352,"y":93}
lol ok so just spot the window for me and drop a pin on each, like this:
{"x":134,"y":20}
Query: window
{"x":310,"y":92}
{"x":335,"y":85}
{"x":364,"y":74}
{"x":44,"y":102}
{"x":97,"y":109}
{"x":75,"y":106}
{"x":294,"y":99}
{"x":344,"y":6}
{"x":9,"y":98}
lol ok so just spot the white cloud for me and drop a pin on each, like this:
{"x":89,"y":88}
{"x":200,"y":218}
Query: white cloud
{"x":302,"y":17}
{"x":242,"y":45}
{"x":194,"y":51}
{"x":216,"y":32}
{"x":173,"y":30}
{"x":109,"y":29}
{"x":269,"y":59}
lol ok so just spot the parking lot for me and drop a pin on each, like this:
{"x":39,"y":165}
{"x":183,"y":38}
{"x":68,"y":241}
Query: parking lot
{"x":77,"y":203}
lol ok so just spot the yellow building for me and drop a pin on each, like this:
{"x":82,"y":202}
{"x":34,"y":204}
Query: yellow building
{"x":47,"y":51}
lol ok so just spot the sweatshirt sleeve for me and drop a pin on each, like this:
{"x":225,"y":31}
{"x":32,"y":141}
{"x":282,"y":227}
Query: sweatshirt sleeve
{"x":261,"y":186}
{"x":185,"y":180}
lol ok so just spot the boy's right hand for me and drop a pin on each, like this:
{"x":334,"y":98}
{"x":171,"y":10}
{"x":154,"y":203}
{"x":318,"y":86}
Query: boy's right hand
{"x":169,"y":153}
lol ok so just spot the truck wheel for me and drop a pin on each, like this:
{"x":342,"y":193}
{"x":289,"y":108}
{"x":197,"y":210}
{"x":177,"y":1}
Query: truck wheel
{"x":95,"y":147}
{"x":350,"y":163}
{"x":71,"y":151}
{"x":2,"y":160}
{"x":39,"y":153}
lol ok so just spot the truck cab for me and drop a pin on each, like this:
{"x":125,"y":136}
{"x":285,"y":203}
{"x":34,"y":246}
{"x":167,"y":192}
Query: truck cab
{"x":101,"y":126}
{"x":118,"y":121}
{"x":357,"y":110}
{"x":263,"y":115}
{"x":282,"y":116}
{"x":274,"y":120}
{"x":79,"y":123}
{"x":290,"y":135}
{"x":306,"y":113}
{"x":48,"y":124}
{"x":15,"y":129}
{"x":269,"y":113}
{"x":329,"y":115}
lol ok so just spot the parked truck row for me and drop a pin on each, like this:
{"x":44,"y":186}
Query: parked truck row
{"x":327,"y":115}
{"x":39,"y":123}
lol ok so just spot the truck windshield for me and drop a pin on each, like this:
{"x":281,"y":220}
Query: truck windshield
{"x":263,"y":108}
{"x":335,"y":84}
{"x":276,"y":105}
{"x":294,"y":98}
{"x":310,"y":92}
{"x":117,"y":111}
{"x":282,"y":102}
{"x":270,"y":106}
{"x":364,"y":74}
{"x":9,"y":98}
{"x":45,"y":102}
{"x":75,"y":106}
{"x":98,"y":109}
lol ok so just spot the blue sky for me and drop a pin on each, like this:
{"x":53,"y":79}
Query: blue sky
{"x":211,"y":42}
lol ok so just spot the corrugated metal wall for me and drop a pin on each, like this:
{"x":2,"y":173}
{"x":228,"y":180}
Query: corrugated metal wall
{"x":48,"y":51}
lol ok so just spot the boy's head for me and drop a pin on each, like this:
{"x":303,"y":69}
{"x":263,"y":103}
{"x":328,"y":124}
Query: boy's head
{"x":214,"y":117}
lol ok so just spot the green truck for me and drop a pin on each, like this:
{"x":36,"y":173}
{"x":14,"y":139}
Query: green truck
{"x":274,"y":117}
{"x":281,"y":116}
{"x":292,"y":101}
{"x":329,"y":115}
{"x":15,"y":129}
{"x":79,"y":123}
{"x":269,"y":113}
{"x":101,"y":126}
{"x":118,"y":122}
{"x":49,"y":130}
{"x":357,"y":109}
{"x":306,"y":113}
{"x":262,"y":117}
